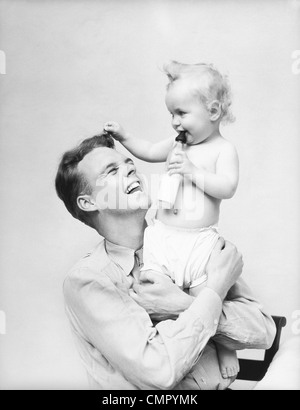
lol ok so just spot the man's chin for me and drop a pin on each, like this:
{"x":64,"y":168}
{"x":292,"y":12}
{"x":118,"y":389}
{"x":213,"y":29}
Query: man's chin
{"x":130,"y":203}
{"x":139,"y":200}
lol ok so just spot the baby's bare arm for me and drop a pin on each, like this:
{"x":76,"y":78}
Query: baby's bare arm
{"x":223,"y":183}
{"x":144,"y":150}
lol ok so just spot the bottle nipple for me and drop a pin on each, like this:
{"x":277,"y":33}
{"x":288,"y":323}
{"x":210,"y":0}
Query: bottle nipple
{"x":181,"y":137}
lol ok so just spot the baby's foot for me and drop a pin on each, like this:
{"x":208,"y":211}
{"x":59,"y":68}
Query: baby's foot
{"x":228,"y":361}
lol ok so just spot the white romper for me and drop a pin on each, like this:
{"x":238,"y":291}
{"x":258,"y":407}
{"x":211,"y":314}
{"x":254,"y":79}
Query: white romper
{"x":179,"y":253}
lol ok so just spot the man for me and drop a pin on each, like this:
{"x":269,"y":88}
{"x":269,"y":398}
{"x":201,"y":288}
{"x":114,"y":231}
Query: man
{"x":137,"y":331}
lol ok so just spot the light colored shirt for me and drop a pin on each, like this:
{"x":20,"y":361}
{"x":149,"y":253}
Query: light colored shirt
{"x":120,"y":346}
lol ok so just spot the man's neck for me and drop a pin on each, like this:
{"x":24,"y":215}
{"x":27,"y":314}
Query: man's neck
{"x":124,"y":230}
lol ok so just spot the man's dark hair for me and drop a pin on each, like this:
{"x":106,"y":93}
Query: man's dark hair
{"x":70,"y":183}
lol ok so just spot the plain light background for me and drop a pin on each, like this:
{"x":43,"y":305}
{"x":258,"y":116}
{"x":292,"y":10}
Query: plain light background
{"x":72,"y":65}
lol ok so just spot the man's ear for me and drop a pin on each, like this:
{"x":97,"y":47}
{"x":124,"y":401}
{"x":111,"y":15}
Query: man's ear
{"x":215,"y":110}
{"x":85,"y":203}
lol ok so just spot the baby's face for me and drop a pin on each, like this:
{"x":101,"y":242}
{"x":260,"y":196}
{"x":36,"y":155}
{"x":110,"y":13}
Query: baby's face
{"x":188,"y":113}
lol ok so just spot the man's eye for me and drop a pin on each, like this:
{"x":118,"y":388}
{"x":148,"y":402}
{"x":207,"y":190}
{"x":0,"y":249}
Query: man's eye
{"x":132,"y":171}
{"x":112,"y":171}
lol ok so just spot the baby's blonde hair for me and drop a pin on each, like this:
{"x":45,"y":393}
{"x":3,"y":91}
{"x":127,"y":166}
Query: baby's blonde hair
{"x":210,"y":84}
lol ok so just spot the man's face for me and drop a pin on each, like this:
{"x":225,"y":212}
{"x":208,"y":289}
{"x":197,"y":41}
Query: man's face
{"x":114,"y":180}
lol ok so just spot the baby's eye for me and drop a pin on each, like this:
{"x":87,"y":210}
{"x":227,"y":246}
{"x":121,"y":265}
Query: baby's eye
{"x":181,"y":113}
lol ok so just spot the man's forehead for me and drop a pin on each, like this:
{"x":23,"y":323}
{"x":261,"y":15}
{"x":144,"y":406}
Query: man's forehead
{"x":98,"y":159}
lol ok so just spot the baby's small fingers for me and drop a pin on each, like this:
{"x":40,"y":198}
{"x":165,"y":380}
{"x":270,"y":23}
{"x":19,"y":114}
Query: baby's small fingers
{"x":177,"y":162}
{"x":110,"y":125}
{"x":174,"y":165}
{"x":109,"y":129}
{"x":180,"y":155}
{"x":173,"y":172}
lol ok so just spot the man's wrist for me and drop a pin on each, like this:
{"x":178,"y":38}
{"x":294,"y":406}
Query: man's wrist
{"x":221,"y":294}
{"x":185,"y":302}
{"x":182,"y":302}
{"x":174,"y":308}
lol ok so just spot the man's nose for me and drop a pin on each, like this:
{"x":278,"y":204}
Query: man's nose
{"x":128,"y":170}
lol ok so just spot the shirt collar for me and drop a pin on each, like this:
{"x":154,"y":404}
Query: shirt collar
{"x":122,"y":256}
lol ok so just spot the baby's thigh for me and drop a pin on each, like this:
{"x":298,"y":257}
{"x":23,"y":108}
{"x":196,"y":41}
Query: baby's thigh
{"x":155,"y":250}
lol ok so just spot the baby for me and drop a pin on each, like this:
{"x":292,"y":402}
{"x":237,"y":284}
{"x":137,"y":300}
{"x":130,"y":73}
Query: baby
{"x":182,"y":237}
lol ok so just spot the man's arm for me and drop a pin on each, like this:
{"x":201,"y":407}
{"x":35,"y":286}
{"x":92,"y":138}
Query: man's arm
{"x":150,"y":357}
{"x":163,"y":299}
{"x":244,"y":324}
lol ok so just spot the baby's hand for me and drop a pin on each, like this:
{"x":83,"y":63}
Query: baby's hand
{"x":115,"y":130}
{"x":180,"y":164}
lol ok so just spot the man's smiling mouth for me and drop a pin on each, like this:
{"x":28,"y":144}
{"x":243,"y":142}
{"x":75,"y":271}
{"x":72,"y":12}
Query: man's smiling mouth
{"x":134,"y":187}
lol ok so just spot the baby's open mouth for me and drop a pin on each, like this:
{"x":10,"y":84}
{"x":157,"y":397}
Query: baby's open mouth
{"x":134,"y":187}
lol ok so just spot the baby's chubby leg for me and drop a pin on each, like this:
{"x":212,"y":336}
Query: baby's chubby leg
{"x":228,"y":362}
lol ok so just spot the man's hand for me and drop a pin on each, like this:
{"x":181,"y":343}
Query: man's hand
{"x":224,"y":268}
{"x":115,"y":130}
{"x":159,"y":296}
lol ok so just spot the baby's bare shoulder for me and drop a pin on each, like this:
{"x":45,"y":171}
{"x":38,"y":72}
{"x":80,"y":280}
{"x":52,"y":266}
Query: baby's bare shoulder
{"x":225,"y":146}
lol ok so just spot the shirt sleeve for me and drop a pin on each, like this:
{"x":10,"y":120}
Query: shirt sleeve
{"x":150,"y":357}
{"x":244,"y":324}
